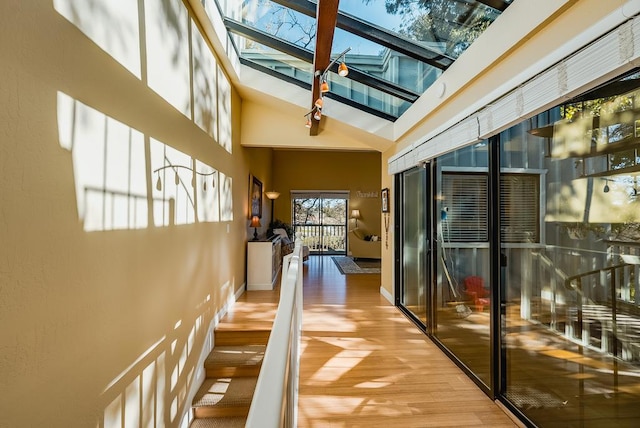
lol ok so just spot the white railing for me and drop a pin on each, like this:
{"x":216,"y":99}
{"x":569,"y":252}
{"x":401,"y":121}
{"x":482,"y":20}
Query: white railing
{"x":275,"y":401}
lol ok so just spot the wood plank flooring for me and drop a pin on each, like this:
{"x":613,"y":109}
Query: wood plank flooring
{"x":364,"y":364}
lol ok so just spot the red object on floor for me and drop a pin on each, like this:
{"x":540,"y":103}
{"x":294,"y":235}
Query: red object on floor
{"x":474,"y":288}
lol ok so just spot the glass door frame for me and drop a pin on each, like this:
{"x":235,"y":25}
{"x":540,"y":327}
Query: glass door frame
{"x":497,"y":376}
{"x":321,"y":196}
{"x":426,"y":261}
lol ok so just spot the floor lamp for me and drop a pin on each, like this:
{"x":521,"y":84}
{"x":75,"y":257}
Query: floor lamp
{"x":273,"y":195}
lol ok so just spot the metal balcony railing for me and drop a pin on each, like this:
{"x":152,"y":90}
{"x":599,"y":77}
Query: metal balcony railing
{"x":323,"y":238}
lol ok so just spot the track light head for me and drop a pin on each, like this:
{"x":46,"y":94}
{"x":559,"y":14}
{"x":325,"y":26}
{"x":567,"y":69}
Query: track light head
{"x":343,"y":70}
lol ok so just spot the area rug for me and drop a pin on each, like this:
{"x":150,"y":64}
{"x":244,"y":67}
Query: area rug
{"x":347,"y":266}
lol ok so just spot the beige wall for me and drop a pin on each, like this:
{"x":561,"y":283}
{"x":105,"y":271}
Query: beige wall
{"x":260,"y":161}
{"x":103,"y":322}
{"x":327,"y":170}
{"x":388,"y":235}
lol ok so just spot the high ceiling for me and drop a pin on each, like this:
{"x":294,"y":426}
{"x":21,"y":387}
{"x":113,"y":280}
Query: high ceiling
{"x":397,"y":48}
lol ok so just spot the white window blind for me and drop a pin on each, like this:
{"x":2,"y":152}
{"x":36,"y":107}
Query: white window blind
{"x":465,"y":207}
{"x":519,"y":208}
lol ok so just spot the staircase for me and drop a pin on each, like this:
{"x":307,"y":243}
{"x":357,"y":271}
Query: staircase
{"x":232,"y":370}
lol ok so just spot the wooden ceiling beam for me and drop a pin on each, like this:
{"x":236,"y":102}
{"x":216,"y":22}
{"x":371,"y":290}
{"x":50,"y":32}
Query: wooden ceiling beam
{"x":326,"y":18}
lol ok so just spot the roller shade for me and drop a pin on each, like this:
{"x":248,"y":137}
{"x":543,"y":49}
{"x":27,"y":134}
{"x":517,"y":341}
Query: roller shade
{"x":324,"y":194}
{"x":611,"y":55}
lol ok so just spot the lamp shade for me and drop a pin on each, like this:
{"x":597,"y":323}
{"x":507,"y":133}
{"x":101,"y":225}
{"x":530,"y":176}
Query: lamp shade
{"x":272,"y":194}
{"x":343,"y":70}
{"x":324,"y":87}
{"x":355,"y":214}
{"x":255,"y":221}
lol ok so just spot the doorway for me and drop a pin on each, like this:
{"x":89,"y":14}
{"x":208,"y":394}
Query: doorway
{"x":320,"y":218}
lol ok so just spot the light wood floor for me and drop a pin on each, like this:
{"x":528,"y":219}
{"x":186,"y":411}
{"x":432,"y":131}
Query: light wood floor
{"x":364,"y":364}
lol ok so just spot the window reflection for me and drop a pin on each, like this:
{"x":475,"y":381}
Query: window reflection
{"x":414,"y":242}
{"x":463,"y":286}
{"x":572,"y":336}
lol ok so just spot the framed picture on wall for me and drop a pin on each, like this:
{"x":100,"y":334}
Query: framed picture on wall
{"x":385,"y":200}
{"x":255,"y":197}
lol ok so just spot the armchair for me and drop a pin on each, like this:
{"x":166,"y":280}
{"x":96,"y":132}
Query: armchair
{"x":359,"y":248}
{"x":287,"y":244}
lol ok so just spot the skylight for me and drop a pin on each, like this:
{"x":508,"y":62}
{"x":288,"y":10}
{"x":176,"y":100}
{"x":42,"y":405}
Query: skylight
{"x":398,"y":47}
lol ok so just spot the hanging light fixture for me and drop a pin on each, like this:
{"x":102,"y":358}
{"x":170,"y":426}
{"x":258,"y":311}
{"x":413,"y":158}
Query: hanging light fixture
{"x":318,"y":103}
{"x":317,"y":115}
{"x":324,"y":87}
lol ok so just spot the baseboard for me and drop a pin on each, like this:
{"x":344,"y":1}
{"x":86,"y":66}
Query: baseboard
{"x":511,"y":416}
{"x":208,"y":345}
{"x":387,"y":295}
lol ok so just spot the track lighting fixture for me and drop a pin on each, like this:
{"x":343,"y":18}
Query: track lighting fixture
{"x":314,"y":111}
{"x":324,"y":86}
{"x":177,"y":177}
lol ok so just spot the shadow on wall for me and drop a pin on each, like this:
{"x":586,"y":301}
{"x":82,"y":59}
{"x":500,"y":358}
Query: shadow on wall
{"x":126,"y":179}
{"x":114,"y":163}
{"x":116,"y":168}
{"x":153,"y":390}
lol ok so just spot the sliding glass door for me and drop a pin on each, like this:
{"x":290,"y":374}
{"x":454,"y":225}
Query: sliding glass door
{"x":415,"y":243}
{"x":321,"y":220}
{"x":520,"y":256}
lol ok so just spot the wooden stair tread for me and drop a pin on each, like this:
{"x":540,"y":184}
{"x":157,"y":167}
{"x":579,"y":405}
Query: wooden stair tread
{"x":235,"y":356}
{"x":232,"y":361}
{"x":232,"y":336}
{"x":226,"y":392}
{"x":228,"y":422}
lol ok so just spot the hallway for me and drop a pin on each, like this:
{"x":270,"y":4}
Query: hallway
{"x":364,"y":364}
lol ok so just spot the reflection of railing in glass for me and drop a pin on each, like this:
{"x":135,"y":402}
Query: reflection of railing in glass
{"x":599,"y":309}
{"x":323,"y":238}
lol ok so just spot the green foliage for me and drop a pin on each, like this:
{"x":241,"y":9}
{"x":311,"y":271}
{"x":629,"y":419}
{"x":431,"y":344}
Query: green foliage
{"x":279,"y":224}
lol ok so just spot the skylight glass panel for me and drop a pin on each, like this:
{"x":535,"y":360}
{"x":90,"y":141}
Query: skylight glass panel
{"x":273,"y":59}
{"x":367,"y":96}
{"x":448,"y":26}
{"x":379,"y":61}
{"x":280,"y":22}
